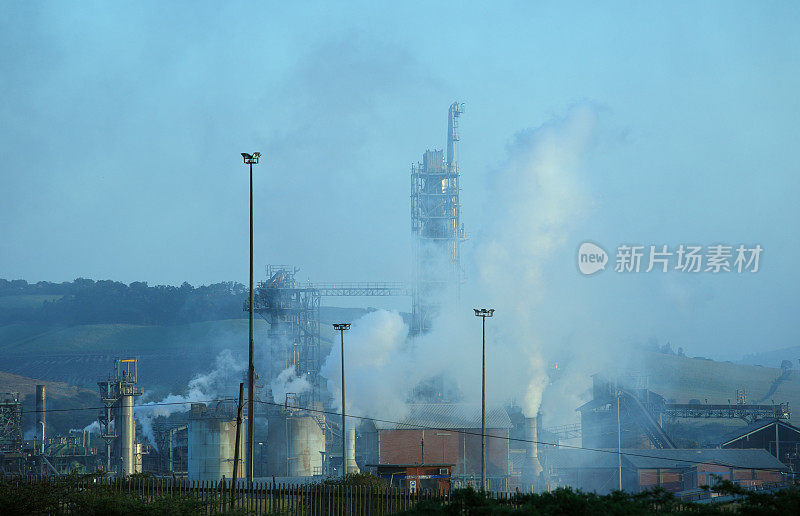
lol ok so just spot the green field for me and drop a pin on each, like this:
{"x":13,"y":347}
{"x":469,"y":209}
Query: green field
{"x":20,"y":339}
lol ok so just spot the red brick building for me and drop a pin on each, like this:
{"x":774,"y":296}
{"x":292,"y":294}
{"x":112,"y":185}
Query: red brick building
{"x":675,"y":470}
{"x":444,"y":433}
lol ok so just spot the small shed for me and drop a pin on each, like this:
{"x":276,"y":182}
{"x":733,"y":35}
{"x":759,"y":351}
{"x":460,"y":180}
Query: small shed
{"x":416,"y":477}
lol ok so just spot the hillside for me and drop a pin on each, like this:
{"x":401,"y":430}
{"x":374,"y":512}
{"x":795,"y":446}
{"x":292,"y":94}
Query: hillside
{"x":63,"y":402}
{"x":683,"y":378}
{"x":773,"y":358}
{"x":169,"y":355}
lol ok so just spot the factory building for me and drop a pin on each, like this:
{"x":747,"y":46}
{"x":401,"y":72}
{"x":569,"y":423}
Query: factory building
{"x":780,"y":438}
{"x":442,"y":433}
{"x":623,"y":410}
{"x":675,"y":470}
{"x":638,"y":411}
{"x":212,"y":442}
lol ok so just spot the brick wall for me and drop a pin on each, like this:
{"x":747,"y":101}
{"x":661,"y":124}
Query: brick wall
{"x":461,"y":448}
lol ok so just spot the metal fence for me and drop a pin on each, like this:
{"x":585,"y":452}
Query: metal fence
{"x":260,"y":498}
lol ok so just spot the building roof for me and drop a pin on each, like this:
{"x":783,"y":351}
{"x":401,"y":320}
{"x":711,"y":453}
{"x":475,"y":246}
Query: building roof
{"x":425,"y":465}
{"x":447,"y":416}
{"x":755,"y":427}
{"x":666,"y":459}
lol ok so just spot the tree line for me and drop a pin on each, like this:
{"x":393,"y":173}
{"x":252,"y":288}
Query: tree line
{"x":86,"y":301}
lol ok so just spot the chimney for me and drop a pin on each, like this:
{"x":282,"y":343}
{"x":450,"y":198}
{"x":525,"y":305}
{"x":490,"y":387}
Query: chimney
{"x":533,"y":467}
{"x":352,"y":467}
{"x":41,"y":407}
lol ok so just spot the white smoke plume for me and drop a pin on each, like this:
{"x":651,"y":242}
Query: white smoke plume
{"x":94,"y":427}
{"x":221,"y":382}
{"x":537,"y":198}
{"x":286,"y":382}
{"x":534,"y":200}
{"x":377,"y":366}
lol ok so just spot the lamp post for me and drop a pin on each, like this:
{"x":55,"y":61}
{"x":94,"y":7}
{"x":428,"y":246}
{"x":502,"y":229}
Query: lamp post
{"x":619,"y":441}
{"x":260,"y":459}
{"x":341,"y":328}
{"x":250,"y":159}
{"x":483,"y":313}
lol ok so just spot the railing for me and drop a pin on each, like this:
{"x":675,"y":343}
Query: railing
{"x":571,"y":431}
{"x":367,"y":288}
{"x":220,"y":497}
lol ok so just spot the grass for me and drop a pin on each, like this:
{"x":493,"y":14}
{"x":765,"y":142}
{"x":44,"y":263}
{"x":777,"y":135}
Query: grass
{"x":682,"y":379}
{"x":24,"y":339}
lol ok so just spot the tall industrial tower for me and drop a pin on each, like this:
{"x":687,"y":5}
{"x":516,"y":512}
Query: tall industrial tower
{"x":292,"y":311}
{"x":436,"y":227}
{"x":117,"y":392}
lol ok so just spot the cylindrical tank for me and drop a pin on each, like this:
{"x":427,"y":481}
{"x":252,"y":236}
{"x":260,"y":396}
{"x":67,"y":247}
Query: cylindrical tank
{"x":127,"y":436}
{"x":306,"y":444}
{"x":352,"y":467}
{"x":277,"y":445}
{"x":41,"y":414}
{"x":532,"y":465}
{"x":212,"y":442}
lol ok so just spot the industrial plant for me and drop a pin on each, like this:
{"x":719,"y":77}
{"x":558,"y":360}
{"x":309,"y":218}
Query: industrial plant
{"x":625,"y":435}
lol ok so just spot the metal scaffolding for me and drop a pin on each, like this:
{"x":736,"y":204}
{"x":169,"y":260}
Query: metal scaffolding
{"x":292,"y":312}
{"x":117,"y":392}
{"x":10,"y":422}
{"x":748,"y":413}
{"x":436,"y":227}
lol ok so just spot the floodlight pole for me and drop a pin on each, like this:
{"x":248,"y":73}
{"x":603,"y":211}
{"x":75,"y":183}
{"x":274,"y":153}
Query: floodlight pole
{"x":341,"y":328}
{"x":250,"y":159}
{"x":483,"y":313}
{"x":619,"y":441}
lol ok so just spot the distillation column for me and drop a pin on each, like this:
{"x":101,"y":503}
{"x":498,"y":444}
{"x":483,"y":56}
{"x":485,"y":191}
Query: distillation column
{"x":127,"y":435}
{"x":41,"y":407}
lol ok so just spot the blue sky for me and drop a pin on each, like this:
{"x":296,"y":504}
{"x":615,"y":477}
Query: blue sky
{"x":123,"y":123}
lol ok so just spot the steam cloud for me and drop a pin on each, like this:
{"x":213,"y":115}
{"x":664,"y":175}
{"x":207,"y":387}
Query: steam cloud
{"x":535,"y":199}
{"x":288,"y":381}
{"x":218,"y":383}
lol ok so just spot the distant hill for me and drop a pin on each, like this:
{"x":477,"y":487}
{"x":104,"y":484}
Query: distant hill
{"x":63,"y":403}
{"x":85,"y":301}
{"x":774,"y":358}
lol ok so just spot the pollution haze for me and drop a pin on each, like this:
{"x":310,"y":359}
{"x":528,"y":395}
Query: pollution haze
{"x":123,"y":124}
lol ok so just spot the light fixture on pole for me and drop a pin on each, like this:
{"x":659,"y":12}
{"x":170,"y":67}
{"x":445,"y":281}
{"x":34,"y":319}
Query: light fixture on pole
{"x":341,"y":328}
{"x":483,"y":313}
{"x":250,"y":159}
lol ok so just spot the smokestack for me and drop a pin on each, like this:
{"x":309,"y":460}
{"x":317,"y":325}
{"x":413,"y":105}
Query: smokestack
{"x":41,"y":404}
{"x":533,"y":467}
{"x":127,"y":435}
{"x":352,"y":467}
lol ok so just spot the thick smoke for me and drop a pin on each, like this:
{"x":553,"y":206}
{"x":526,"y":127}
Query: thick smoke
{"x":534,"y":200}
{"x":379,"y":366}
{"x":288,"y":381}
{"x":221,"y":382}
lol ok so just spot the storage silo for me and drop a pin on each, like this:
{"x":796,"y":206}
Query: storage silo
{"x":212,"y":443}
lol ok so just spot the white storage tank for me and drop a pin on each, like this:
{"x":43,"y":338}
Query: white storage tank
{"x":212,"y":442}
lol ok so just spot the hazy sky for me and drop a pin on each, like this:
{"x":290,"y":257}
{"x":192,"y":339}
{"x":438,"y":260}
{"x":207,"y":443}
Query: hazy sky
{"x":122,"y":125}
